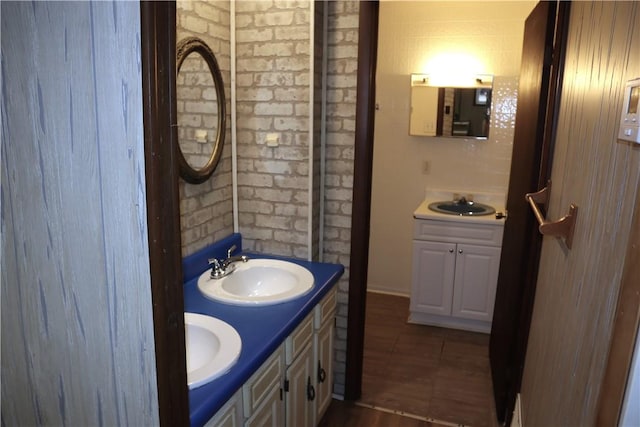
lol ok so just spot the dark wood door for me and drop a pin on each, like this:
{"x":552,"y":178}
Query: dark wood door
{"x":540,"y":74}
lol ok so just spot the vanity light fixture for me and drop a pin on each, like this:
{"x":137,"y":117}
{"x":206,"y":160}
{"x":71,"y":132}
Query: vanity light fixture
{"x":459,"y":80}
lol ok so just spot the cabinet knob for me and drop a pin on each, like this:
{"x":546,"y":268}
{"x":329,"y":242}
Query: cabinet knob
{"x":450,"y":251}
{"x":459,"y":251}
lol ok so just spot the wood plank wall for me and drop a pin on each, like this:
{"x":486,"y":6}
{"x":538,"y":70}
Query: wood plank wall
{"x":77,"y":328}
{"x":578,"y":288}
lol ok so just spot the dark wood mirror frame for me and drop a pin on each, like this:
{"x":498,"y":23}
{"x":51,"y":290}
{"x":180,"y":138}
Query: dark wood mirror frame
{"x":188,"y":172}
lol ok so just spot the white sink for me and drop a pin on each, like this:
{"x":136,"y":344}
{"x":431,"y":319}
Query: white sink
{"x":258,"y":282}
{"x":213,"y":347}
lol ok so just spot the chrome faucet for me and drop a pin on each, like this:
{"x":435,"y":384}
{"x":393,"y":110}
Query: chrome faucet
{"x":462,"y":200}
{"x":222,"y":268}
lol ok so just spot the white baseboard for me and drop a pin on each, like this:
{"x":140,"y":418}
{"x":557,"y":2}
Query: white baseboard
{"x":387,"y":292}
{"x":516,"y":421}
{"x":449,"y":322}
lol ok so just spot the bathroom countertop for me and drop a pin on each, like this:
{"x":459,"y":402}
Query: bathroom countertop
{"x":494,"y":200}
{"x":262,"y":330}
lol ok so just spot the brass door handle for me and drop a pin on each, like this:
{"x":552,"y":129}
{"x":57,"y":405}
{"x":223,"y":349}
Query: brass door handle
{"x":564,"y":227}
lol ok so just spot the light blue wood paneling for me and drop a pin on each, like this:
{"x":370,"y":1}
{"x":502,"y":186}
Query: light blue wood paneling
{"x":77,"y":327}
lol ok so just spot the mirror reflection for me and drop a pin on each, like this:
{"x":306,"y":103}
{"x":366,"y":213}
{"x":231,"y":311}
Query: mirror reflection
{"x":447,"y":111}
{"x":197,"y":108}
{"x":200,"y":110}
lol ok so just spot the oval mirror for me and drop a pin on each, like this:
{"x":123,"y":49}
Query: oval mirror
{"x":200,"y":110}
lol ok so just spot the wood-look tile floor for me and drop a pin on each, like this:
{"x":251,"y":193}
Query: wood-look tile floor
{"x":350,"y":414}
{"x":439,"y":375}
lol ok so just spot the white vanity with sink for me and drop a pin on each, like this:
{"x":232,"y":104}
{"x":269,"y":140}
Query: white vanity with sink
{"x":293,"y":386}
{"x":456,"y":260}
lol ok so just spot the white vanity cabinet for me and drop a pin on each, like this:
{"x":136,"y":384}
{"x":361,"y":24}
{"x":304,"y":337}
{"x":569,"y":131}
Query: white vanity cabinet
{"x":262,"y":393}
{"x":309,"y":356}
{"x":324,"y":324}
{"x":230,"y":415}
{"x":455,"y":273}
{"x":293,"y":386}
{"x":299,"y":386}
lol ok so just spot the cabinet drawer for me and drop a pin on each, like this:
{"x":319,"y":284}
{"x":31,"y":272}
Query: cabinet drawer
{"x":298,"y":339}
{"x":445,"y":231}
{"x":326,"y":309}
{"x":262,"y":382}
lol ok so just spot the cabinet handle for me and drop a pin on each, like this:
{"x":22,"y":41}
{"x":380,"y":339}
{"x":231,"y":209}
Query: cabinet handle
{"x":459,"y":251}
{"x":322,"y":375}
{"x":450,"y":251}
{"x":311,"y":392}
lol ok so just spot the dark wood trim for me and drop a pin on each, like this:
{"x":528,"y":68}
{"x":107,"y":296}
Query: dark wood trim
{"x":555,"y":89}
{"x":522,"y":242}
{"x":360,"y":218}
{"x":158,"y":43}
{"x":441,"y":107}
{"x":625,"y":330}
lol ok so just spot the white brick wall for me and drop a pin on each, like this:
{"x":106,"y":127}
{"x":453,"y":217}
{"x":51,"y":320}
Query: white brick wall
{"x":206,"y":210}
{"x":272,"y":75}
{"x":342,"y":67}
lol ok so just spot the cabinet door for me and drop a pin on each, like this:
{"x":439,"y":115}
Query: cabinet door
{"x":475,"y":282}
{"x":323,"y":367}
{"x":262,"y":382}
{"x":230,"y":415}
{"x":300,"y":391}
{"x":270,"y":412}
{"x":433,"y":270}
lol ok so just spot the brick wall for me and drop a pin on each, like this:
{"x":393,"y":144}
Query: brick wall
{"x":272,"y":49}
{"x":342,"y":52}
{"x":206,"y":210}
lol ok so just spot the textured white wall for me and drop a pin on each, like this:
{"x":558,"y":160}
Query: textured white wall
{"x":577,"y":289}
{"x":77,"y":328}
{"x":413,"y":35}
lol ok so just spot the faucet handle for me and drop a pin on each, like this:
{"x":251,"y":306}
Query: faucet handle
{"x":230,"y":251}
{"x":216,"y":268}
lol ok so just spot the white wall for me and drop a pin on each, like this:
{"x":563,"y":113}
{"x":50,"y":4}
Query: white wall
{"x":413,"y":38}
{"x":77,"y":328}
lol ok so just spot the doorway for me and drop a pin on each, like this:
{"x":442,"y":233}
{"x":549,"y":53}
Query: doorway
{"x":360,"y":298}
{"x":401,"y":162}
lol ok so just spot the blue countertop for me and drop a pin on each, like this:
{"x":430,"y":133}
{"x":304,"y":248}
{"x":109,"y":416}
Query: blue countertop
{"x":262,"y":329}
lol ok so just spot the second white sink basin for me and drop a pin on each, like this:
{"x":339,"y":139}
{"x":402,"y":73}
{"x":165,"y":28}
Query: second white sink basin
{"x":258,"y":282}
{"x":213,"y":347}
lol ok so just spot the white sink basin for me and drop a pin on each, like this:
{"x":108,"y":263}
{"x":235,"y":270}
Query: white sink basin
{"x":258,"y":282}
{"x":213,"y":347}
